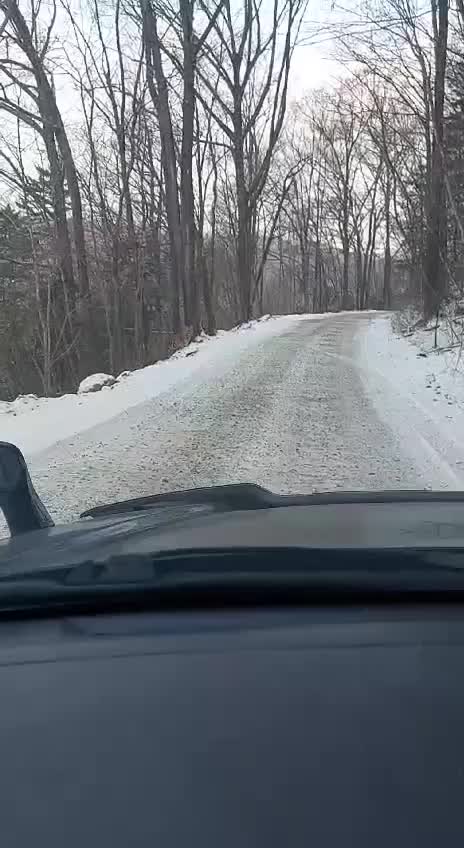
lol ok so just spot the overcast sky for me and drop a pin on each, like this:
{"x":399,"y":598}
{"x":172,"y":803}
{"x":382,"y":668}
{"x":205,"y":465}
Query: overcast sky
{"x":313,"y":65}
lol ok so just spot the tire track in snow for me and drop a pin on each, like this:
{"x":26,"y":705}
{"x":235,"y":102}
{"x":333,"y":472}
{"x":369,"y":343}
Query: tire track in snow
{"x":291,"y":414}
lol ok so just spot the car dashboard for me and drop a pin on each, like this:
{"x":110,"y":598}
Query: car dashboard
{"x":314,"y":724}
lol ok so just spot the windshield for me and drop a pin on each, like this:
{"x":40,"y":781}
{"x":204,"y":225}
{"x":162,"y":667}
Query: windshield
{"x":231,"y":246}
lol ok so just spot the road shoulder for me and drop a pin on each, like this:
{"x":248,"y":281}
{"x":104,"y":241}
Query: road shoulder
{"x":421,"y":398}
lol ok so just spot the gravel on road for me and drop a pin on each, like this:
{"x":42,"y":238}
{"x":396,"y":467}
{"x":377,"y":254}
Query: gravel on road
{"x":292,"y":413}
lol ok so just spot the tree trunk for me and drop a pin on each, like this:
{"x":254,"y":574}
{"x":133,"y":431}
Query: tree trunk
{"x":244,"y":269}
{"x":160,"y":99}
{"x":191,"y":293}
{"x":346,"y":251}
{"x":435,"y":259}
{"x":305,"y":276}
{"x":51,"y":117}
{"x":63,"y":244}
{"x":76,"y":205}
{"x":387,"y":264}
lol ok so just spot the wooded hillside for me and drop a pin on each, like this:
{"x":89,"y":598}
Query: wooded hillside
{"x":159,"y":177}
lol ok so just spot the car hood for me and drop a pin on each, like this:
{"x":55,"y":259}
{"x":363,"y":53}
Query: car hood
{"x":173,"y":527}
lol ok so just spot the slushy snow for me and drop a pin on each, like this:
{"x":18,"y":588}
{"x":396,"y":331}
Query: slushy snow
{"x":34,"y":424}
{"x":294,"y":403}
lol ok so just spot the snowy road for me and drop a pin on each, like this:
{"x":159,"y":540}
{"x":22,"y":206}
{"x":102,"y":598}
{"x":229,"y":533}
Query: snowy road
{"x":297,"y":411}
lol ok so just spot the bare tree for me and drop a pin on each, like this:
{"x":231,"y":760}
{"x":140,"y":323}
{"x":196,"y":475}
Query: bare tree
{"x":250,"y":107}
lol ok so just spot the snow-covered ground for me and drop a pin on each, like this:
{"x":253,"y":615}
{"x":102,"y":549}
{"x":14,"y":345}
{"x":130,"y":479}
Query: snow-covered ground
{"x":37,"y":423}
{"x":294,"y":403}
{"x":419,"y":394}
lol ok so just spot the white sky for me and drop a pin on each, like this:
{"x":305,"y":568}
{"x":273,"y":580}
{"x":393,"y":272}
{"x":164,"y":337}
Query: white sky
{"x":313,"y":64}
{"x":312,"y":67}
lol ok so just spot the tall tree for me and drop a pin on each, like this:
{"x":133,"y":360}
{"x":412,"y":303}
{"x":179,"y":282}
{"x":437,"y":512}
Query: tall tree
{"x":250,"y":105}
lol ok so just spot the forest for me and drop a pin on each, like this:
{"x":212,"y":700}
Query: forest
{"x":160,"y":177}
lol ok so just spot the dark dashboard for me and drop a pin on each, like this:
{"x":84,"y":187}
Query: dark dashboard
{"x":242,"y":727}
{"x":228,"y":667}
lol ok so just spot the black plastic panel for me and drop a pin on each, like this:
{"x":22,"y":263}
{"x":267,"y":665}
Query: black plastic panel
{"x":311,"y":727}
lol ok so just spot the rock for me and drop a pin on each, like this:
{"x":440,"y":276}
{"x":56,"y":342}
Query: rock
{"x":423,"y":354}
{"x":95,"y":382}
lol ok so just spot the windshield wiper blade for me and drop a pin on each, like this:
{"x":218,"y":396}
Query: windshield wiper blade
{"x":236,"y":496}
{"x":250,"y":496}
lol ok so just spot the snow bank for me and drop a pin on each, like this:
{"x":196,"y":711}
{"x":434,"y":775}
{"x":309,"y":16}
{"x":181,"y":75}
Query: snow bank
{"x":95,"y":382}
{"x":419,"y":394}
{"x":35,"y":424}
{"x":443,"y":336}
